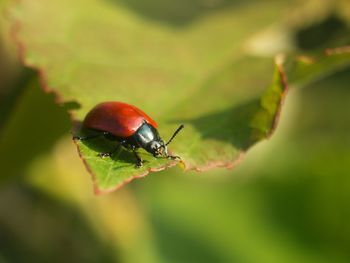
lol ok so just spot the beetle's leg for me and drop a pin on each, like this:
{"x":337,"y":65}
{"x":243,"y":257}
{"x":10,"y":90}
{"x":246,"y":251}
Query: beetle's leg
{"x":109,"y":136}
{"x":106,"y":134}
{"x":110,"y":154}
{"x":86,"y":137}
{"x":138,"y":159}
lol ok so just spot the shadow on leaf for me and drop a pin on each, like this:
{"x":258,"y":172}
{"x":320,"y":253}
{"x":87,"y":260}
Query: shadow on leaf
{"x":231,"y":126}
{"x":244,"y":125}
{"x":180,"y":12}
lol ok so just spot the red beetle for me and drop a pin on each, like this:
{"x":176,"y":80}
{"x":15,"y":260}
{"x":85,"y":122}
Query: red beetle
{"x":129,"y":126}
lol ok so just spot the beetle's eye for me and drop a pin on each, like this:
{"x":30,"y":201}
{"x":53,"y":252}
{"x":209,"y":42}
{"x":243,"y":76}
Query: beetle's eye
{"x":154,"y":145}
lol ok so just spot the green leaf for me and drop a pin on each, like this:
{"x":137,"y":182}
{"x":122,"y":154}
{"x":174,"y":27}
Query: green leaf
{"x":181,"y":62}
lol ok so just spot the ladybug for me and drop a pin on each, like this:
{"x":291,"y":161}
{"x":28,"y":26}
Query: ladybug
{"x":130,"y":127}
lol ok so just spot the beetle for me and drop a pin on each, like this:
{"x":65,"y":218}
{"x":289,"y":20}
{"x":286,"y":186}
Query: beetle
{"x":130,"y":127}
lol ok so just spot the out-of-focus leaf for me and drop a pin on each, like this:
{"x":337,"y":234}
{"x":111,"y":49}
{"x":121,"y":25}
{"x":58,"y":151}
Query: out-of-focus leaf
{"x":38,"y":228}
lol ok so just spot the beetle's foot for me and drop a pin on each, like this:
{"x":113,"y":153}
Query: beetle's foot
{"x":104,"y":155}
{"x":138,"y":164}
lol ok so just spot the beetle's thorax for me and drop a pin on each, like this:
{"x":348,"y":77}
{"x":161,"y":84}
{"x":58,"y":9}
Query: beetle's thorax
{"x":147,"y":137}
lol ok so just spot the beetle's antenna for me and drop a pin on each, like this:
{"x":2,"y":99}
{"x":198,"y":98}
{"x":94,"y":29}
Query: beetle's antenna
{"x":175,"y":133}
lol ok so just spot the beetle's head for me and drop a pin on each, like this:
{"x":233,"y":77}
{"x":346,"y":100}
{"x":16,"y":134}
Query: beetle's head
{"x":158,"y":148}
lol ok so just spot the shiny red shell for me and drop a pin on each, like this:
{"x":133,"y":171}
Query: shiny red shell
{"x":118,"y":118}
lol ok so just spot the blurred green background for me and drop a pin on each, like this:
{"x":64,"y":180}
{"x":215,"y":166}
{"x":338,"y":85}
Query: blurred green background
{"x":288,"y":201}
